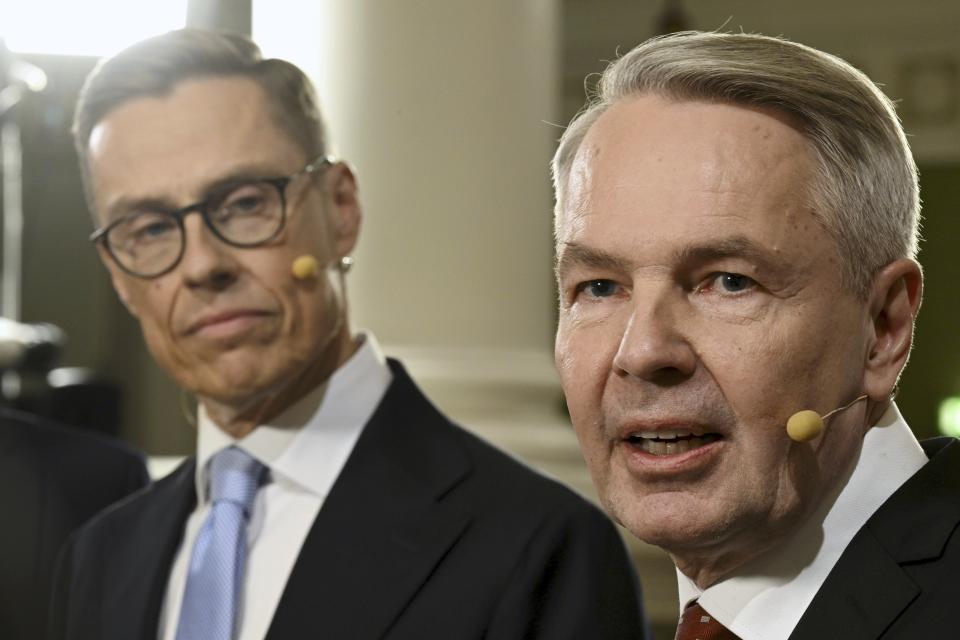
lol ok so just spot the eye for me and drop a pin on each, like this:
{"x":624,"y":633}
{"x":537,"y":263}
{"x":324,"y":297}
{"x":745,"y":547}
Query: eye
{"x":731,"y":282}
{"x":144,"y":228}
{"x":155,"y":229}
{"x":245,"y":200}
{"x":597,"y":288}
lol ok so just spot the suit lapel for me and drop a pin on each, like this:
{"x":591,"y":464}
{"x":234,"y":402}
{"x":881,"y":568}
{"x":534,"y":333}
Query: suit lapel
{"x":864,"y":593}
{"x":868,"y":588}
{"x":383,"y":528}
{"x":138,"y":567}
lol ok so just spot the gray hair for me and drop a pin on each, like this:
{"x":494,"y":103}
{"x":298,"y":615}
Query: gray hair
{"x":865,"y":191}
{"x":153,"y":67}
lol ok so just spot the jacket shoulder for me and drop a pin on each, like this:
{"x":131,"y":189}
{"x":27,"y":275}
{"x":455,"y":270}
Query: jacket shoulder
{"x":515,"y":479}
{"x":59,"y":444}
{"x":119,"y":520}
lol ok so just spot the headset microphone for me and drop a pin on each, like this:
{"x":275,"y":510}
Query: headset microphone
{"x":304,"y":267}
{"x":808,"y":424}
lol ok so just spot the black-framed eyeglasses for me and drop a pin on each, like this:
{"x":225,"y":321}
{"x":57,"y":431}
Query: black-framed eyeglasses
{"x":150,"y":242}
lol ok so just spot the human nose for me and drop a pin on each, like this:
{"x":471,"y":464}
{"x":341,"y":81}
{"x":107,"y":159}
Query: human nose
{"x":653,"y":346}
{"x":207,"y":261}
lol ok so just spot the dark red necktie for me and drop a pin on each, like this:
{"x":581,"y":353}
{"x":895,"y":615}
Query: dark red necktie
{"x":697,"y":624}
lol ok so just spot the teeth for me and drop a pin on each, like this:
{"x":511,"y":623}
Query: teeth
{"x":666,"y":434}
{"x":673,"y":446}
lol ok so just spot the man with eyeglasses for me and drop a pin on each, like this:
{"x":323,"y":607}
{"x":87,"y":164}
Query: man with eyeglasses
{"x":327,"y":498}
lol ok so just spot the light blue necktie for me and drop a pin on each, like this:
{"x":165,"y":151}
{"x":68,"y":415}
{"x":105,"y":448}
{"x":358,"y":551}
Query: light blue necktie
{"x":212,"y":595}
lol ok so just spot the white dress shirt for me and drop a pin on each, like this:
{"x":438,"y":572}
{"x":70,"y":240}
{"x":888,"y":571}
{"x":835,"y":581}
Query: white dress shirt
{"x":765,"y":599}
{"x":305,"y":448}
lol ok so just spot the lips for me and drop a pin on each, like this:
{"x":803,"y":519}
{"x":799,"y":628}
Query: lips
{"x":667,"y":437}
{"x":225,"y":321}
{"x":671,"y":442}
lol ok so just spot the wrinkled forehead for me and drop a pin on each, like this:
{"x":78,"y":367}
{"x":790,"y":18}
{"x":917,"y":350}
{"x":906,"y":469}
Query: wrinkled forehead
{"x":654,"y":146}
{"x":652,"y":169}
{"x":647,"y":133}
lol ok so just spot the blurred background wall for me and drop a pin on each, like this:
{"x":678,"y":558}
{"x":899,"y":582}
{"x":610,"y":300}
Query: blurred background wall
{"x":450,"y":111}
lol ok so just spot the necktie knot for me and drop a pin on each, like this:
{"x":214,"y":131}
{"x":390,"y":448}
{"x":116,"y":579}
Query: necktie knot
{"x":235,"y":476}
{"x":697,"y":624}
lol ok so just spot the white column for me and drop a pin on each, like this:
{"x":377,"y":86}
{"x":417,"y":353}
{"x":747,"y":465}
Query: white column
{"x":448,"y":111}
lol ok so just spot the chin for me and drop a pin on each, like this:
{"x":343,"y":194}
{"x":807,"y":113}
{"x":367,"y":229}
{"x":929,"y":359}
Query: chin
{"x":235,"y":394}
{"x":672,"y":520}
{"x":674,"y":537}
{"x":237,"y":384}
{"x":662,"y":530}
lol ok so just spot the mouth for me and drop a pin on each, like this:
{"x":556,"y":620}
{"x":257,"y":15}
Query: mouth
{"x":670,"y":442}
{"x":226,"y":322}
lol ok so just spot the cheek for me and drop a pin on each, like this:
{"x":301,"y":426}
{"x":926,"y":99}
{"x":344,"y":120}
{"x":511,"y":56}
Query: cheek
{"x":313,"y":309}
{"x":584,"y":360}
{"x":153,"y":305}
{"x":757,"y":367}
{"x":180,"y":362}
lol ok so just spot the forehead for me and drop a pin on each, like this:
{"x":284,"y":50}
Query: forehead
{"x":168,"y":145}
{"x":653,"y":171}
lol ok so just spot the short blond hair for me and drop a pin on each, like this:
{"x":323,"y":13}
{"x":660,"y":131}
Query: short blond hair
{"x":153,"y":67}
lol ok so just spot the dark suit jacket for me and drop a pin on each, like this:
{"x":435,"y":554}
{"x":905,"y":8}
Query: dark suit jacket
{"x":52,"y":480}
{"x":427,"y":533}
{"x":899,"y":577}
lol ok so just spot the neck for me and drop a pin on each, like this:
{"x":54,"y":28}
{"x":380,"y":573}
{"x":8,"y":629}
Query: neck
{"x":708,"y":566}
{"x":240,"y":418}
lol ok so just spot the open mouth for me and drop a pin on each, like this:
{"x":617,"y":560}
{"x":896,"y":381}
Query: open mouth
{"x":668,"y":443}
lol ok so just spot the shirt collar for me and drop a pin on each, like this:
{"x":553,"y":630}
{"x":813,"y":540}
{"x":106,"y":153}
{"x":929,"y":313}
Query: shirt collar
{"x":767,"y":597}
{"x":309,"y":442}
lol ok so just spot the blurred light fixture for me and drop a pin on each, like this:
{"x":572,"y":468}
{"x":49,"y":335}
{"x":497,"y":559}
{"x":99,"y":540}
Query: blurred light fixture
{"x":88,"y":27}
{"x":949,"y":416}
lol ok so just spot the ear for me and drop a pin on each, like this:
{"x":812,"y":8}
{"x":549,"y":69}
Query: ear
{"x":894,"y":302}
{"x":344,"y":202}
{"x":119,"y":279}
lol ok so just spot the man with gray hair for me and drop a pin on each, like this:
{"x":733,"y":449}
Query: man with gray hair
{"x":736,"y":231}
{"x":328,"y":497}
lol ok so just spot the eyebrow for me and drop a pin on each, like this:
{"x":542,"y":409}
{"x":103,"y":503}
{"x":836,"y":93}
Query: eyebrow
{"x":733,"y":247}
{"x":244,"y":173}
{"x":577,"y":255}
